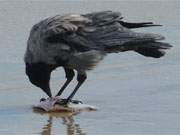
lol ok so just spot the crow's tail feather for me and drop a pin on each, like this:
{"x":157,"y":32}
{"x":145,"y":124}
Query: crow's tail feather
{"x":153,"y":49}
{"x":149,"y":49}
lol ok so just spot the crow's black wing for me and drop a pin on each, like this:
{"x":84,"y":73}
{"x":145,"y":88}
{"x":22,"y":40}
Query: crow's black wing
{"x":109,"y":17}
{"x":70,"y":30}
{"x":98,"y":31}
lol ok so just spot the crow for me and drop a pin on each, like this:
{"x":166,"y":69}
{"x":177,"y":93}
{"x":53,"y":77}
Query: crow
{"x":78,"y":42}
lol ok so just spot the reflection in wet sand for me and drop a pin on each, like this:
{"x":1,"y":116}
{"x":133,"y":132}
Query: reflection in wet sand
{"x":46,"y":130}
{"x":72,"y":128}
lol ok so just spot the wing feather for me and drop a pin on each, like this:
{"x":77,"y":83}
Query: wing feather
{"x":66,"y":36}
{"x":70,"y":30}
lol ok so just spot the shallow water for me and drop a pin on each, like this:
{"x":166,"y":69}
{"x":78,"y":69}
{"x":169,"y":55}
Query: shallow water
{"x":134,"y":94}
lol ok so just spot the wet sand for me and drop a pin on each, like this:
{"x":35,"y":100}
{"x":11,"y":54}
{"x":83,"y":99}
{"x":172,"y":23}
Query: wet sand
{"x":134,"y":94}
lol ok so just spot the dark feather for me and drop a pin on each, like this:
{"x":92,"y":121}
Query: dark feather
{"x":149,"y":52}
{"x":153,"y":49}
{"x":137,"y":25}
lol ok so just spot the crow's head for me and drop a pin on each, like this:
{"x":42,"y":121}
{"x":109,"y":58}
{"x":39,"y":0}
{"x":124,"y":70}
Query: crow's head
{"x":39,"y":75}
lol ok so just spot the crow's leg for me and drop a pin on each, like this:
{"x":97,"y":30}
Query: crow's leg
{"x":69,"y":76}
{"x":81,"y":77}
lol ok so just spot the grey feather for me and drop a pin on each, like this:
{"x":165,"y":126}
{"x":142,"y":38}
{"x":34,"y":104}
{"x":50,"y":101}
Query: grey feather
{"x":104,"y":17}
{"x":86,"y":60}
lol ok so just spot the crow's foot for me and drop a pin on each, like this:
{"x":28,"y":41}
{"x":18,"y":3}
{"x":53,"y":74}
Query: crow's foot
{"x":66,"y":101}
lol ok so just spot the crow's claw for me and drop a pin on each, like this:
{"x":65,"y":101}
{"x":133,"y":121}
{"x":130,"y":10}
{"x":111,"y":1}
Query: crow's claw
{"x":66,"y":101}
{"x":63,"y":102}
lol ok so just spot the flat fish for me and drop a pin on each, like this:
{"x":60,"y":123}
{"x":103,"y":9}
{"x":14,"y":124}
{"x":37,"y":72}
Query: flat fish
{"x":56,"y":105}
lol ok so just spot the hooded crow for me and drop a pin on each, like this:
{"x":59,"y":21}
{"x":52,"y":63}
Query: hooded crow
{"x":80,"y":42}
